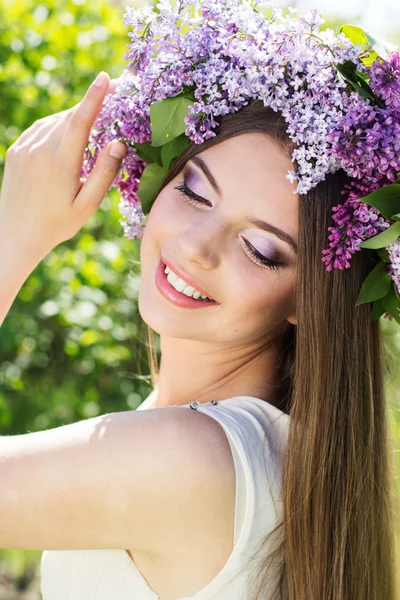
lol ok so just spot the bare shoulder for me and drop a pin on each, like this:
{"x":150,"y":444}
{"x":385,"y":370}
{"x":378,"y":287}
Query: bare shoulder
{"x":197,"y":497}
{"x":131,"y":479}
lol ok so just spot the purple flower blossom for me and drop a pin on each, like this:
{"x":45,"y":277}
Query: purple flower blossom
{"x":356,"y":222}
{"x":367,"y":142}
{"x":394,"y":256}
{"x":385,"y":80}
{"x":227,"y":53}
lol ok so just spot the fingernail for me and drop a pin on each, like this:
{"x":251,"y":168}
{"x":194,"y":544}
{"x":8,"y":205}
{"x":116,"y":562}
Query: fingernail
{"x":100,"y":79}
{"x":117,"y":150}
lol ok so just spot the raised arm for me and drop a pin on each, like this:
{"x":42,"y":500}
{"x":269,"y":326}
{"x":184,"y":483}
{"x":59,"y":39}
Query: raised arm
{"x":16,"y":264}
{"x":43,"y":201}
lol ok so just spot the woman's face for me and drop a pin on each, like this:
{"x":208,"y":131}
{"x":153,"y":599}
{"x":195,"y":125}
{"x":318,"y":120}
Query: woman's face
{"x":234,"y":243}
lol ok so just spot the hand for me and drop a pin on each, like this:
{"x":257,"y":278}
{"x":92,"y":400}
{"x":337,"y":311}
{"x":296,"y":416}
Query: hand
{"x":43,"y":201}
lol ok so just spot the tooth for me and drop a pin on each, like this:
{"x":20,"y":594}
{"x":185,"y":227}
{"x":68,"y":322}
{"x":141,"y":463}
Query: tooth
{"x":188,"y":291}
{"x":171,"y":277}
{"x":180,"y":284}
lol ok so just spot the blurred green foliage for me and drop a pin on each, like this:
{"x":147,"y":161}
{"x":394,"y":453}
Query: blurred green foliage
{"x":72,"y":345}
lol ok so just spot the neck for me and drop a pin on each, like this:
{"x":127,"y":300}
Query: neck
{"x":192,"y":370}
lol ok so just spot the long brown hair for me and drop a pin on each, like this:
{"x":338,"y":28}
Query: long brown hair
{"x":336,"y":538}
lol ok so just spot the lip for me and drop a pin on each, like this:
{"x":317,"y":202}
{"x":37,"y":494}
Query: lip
{"x":177,"y":298}
{"x":188,"y":279}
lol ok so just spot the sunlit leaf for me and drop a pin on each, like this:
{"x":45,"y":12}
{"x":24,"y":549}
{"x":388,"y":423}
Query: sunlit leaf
{"x":167,"y":118}
{"x":375,"y":286}
{"x":384,"y":238}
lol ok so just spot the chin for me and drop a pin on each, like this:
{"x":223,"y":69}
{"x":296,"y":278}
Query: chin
{"x":167,"y":324}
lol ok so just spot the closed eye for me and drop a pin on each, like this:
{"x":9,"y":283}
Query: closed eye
{"x":194,"y":198}
{"x":260,"y":259}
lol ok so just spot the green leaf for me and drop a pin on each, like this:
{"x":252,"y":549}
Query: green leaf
{"x":375,"y":286}
{"x":173,"y":149}
{"x":188,"y":92}
{"x":377,"y":310}
{"x":360,"y":38}
{"x":391,"y":303}
{"x":148,"y":153}
{"x":149,"y":185}
{"x":348,"y":70}
{"x":381,"y":240}
{"x":167,"y":118}
{"x":396,"y":217}
{"x":386,"y":199}
{"x":381,"y":47}
{"x":384,"y":254}
{"x":190,"y":96}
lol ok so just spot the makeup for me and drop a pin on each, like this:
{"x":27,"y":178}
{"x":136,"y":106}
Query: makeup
{"x":175,"y":297}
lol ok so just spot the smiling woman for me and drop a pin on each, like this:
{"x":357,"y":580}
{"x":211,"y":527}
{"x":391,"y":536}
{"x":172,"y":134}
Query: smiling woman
{"x":259,"y":466}
{"x":215,"y":243}
{"x":279,"y":330}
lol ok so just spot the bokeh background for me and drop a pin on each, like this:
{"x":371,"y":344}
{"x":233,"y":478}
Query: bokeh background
{"x":73,"y":345}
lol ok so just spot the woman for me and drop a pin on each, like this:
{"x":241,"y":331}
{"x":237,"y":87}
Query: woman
{"x":235,"y":498}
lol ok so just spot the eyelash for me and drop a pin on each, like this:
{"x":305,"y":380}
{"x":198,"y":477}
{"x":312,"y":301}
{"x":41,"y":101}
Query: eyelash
{"x":260,"y":260}
{"x":187,"y":193}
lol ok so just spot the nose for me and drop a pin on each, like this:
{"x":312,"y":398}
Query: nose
{"x":201,"y":244}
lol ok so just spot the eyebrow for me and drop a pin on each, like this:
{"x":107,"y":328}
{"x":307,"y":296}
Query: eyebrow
{"x":282,"y":235}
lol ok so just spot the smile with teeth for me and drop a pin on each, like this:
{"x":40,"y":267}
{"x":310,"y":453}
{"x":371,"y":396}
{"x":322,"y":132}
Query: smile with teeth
{"x":181,"y":286}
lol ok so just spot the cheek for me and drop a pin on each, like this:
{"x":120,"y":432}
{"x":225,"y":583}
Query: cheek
{"x":167,"y":207}
{"x":263,"y":296}
{"x":156,"y":217}
{"x":160,"y":223}
{"x":166,"y":218}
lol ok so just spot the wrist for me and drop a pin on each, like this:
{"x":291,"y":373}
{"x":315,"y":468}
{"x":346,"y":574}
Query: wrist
{"x":18,"y":244}
{"x":18,"y":259}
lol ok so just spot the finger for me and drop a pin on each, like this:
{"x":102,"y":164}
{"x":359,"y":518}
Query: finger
{"x":59,"y":125}
{"x":42,"y":126}
{"x":57,"y":121}
{"x":112,"y":88}
{"x":98,"y":183}
{"x":39,"y":128}
{"x":77,"y":132}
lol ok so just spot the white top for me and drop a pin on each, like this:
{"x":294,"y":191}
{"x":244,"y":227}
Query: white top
{"x":257,"y":433}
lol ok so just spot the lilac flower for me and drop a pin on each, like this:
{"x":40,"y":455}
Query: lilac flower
{"x":367,"y":142}
{"x":394,"y":256}
{"x":230,"y":54}
{"x":385,"y":80}
{"x":135,"y":219}
{"x":356,"y":222}
{"x":227,"y":53}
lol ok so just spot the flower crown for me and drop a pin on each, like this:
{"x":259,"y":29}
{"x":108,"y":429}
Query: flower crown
{"x":193,"y":62}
